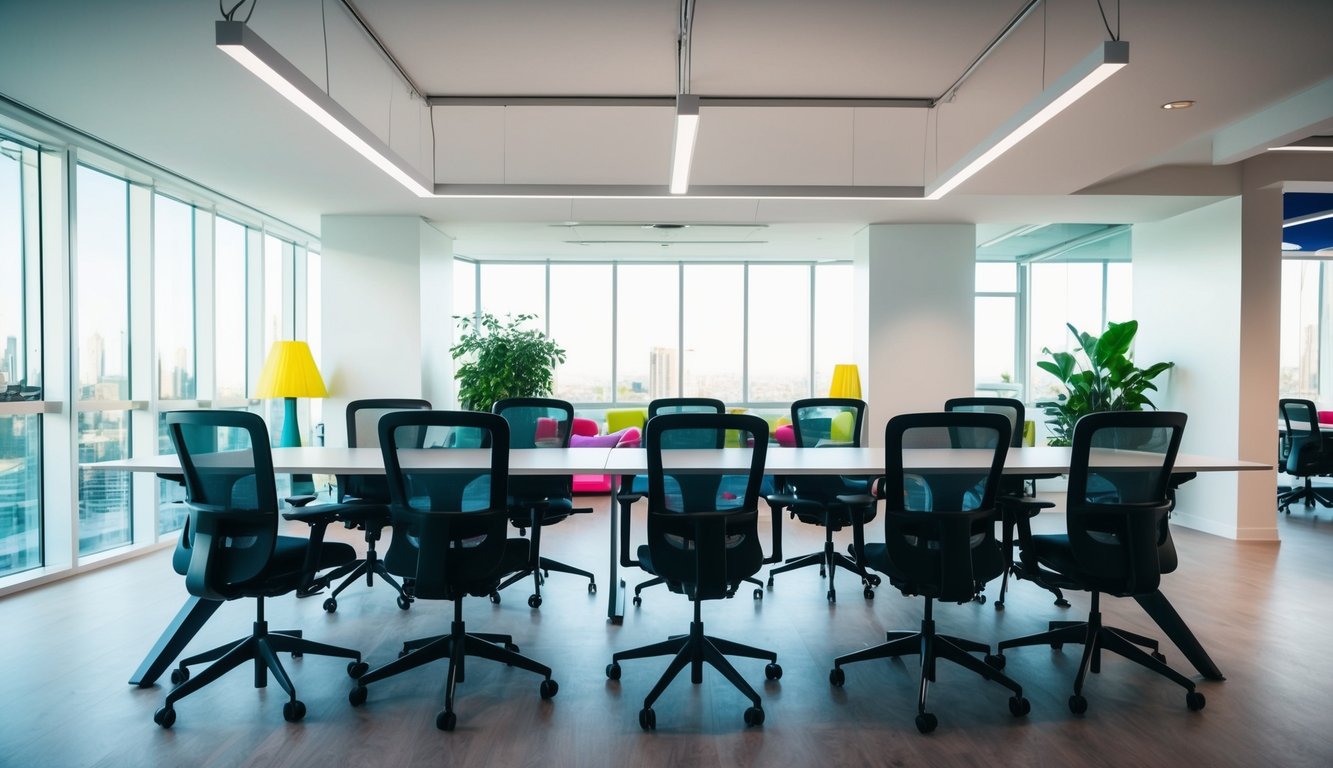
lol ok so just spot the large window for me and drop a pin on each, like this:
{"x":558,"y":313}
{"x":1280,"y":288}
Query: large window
{"x":1087,"y":295}
{"x":759,"y":333}
{"x":229,"y":306}
{"x":996,"y":333}
{"x":20,"y":434}
{"x":103,"y":270}
{"x":1305,"y":314}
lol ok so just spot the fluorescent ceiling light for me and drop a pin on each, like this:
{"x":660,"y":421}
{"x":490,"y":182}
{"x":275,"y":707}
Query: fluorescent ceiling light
{"x":1103,"y":62}
{"x":236,"y":40}
{"x":682,"y":147}
{"x":1312,"y":144}
{"x":1296,"y":221}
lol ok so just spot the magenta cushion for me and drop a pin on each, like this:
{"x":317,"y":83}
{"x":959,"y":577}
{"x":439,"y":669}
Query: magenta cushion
{"x":1326,"y":417}
{"x":594,"y":441}
{"x":785,"y":435}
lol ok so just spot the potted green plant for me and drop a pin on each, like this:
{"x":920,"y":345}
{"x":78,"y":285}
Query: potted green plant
{"x":1102,"y":378}
{"x":500,"y":360}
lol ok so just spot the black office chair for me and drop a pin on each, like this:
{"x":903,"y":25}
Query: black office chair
{"x":939,"y":541}
{"x":365,"y":500}
{"x":536,"y":502}
{"x":633,"y":488}
{"x":1117,"y":541}
{"x":449,"y":536}
{"x":1013,"y":501}
{"x":820,"y":422}
{"x":234,"y":550}
{"x":1306,"y":455}
{"x":703,"y":540}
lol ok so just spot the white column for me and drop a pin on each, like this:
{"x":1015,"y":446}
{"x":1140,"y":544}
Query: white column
{"x":387,"y":284}
{"x":1207,"y":286}
{"x":914,"y":317}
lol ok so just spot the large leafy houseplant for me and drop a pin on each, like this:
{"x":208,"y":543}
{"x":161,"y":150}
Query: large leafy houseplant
{"x":503,"y":359}
{"x":1101,"y":378}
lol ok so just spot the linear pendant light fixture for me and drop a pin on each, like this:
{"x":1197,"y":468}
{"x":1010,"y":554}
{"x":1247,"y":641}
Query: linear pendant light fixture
{"x":682,"y":147}
{"x":237,"y":40}
{"x":1106,"y":60}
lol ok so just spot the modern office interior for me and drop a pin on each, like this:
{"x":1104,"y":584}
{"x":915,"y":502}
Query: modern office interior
{"x":930,"y":192}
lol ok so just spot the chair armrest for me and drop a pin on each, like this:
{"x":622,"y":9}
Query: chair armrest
{"x":301,"y":500}
{"x":776,"y":502}
{"x":857,"y":504}
{"x":625,"y":499}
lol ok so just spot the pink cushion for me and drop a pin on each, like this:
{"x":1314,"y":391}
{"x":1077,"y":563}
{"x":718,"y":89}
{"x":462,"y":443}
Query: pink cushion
{"x":584,"y":426}
{"x":1326,"y":417}
{"x":545,"y":428}
{"x":785,"y":435}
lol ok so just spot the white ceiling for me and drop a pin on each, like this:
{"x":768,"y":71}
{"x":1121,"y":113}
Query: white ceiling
{"x":145,"y":76}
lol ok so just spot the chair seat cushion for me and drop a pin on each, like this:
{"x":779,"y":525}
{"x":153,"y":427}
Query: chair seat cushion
{"x":1054,"y":552}
{"x":285,"y":570}
{"x":987,"y":563}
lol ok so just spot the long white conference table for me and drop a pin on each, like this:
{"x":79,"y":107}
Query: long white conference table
{"x":627,"y":462}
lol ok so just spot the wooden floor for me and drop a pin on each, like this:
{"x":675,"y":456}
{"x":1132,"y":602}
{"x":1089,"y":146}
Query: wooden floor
{"x":1262,"y":610}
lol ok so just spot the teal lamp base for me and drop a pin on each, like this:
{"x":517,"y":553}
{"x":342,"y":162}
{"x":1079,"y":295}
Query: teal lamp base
{"x":290,"y":437}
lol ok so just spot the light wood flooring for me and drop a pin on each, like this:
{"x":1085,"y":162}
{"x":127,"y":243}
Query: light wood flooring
{"x":1262,"y":611}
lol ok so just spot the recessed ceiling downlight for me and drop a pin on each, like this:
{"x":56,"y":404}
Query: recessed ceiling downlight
{"x":1181,"y":104}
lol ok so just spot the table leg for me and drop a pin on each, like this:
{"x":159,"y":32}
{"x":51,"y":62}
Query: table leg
{"x":189,"y":620}
{"x":615,"y":601}
{"x":1162,"y":612}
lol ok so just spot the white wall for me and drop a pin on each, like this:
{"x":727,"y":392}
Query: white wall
{"x":915,"y":298}
{"x":1206,"y":297}
{"x":386,"y":284}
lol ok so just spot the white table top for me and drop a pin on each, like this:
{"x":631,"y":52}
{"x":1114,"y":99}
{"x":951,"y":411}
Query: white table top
{"x":628,"y":461}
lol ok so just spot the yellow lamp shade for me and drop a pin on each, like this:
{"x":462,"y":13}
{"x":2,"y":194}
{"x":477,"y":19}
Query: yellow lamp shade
{"x":290,"y":371}
{"x":846,"y":381}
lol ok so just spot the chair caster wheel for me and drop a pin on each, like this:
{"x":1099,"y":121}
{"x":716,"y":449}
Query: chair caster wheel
{"x":404,"y":602}
{"x":980,"y":599}
{"x":832,"y":596}
{"x":995,"y":661}
{"x":926,"y":722}
{"x":293,"y":711}
{"x":357,"y":696}
{"x":1077,"y":704}
{"x":999,"y":605}
{"x":758,"y":593}
{"x":1018,"y":705}
{"x":822,"y":572}
{"x":1195,"y":701}
{"x":165,"y":717}
{"x":837,"y":677}
{"x":770,"y":582}
{"x":495,"y":599}
{"x":534,"y":601}
{"x":773,"y":671}
{"x":1061,"y":602}
{"x":330,"y":605}
{"x":592,"y":588}
{"x":549,"y":688}
{"x":446,"y":721}
{"x":868,"y":593}
{"x":356,"y":669}
{"x":613,"y":671}
{"x":648,"y":719}
{"x":638,"y":601}
{"x":1057,"y":646}
{"x":754,"y":716}
{"x":179,"y":675}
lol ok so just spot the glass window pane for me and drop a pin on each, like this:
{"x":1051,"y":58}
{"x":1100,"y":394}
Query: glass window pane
{"x":104,"y":497}
{"x":581,"y":323}
{"x":173,"y":294}
{"x":1061,"y":293}
{"x":274,"y":311}
{"x":13,"y":337}
{"x":20,"y":493}
{"x":648,"y":332}
{"x":779,"y":348}
{"x":997,"y":277}
{"x":1119,"y":292}
{"x":994,"y":342}
{"x":103,"y":286}
{"x":171,"y":512}
{"x":832,"y":322}
{"x":713,"y":354}
{"x":465,"y":288}
{"x":229,"y":309}
{"x":1298,"y":349}
{"x":515,"y":289}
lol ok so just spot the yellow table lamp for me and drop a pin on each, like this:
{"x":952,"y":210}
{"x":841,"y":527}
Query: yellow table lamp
{"x":289,"y":373}
{"x":846,"y":381}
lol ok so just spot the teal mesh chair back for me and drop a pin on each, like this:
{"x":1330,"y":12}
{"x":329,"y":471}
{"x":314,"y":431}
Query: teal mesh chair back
{"x":823,"y":422}
{"x":939,"y":502}
{"x":233,"y":501}
{"x":448,"y":498}
{"x":1119,"y":483}
{"x":1011,"y":408}
{"x":681,"y":438}
{"x":363,"y":418}
{"x":703,"y":540}
{"x":537,"y":422}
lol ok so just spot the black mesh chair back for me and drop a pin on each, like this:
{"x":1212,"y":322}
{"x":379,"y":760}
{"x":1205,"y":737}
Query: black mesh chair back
{"x":537,"y":422}
{"x":450,"y":513}
{"x":824,"y":422}
{"x":1011,"y":408}
{"x":1304,"y":443}
{"x":702,"y":540}
{"x":1119,"y":481}
{"x":363,"y":418}
{"x":229,"y":485}
{"x":680,"y":438}
{"x":939,"y":519}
